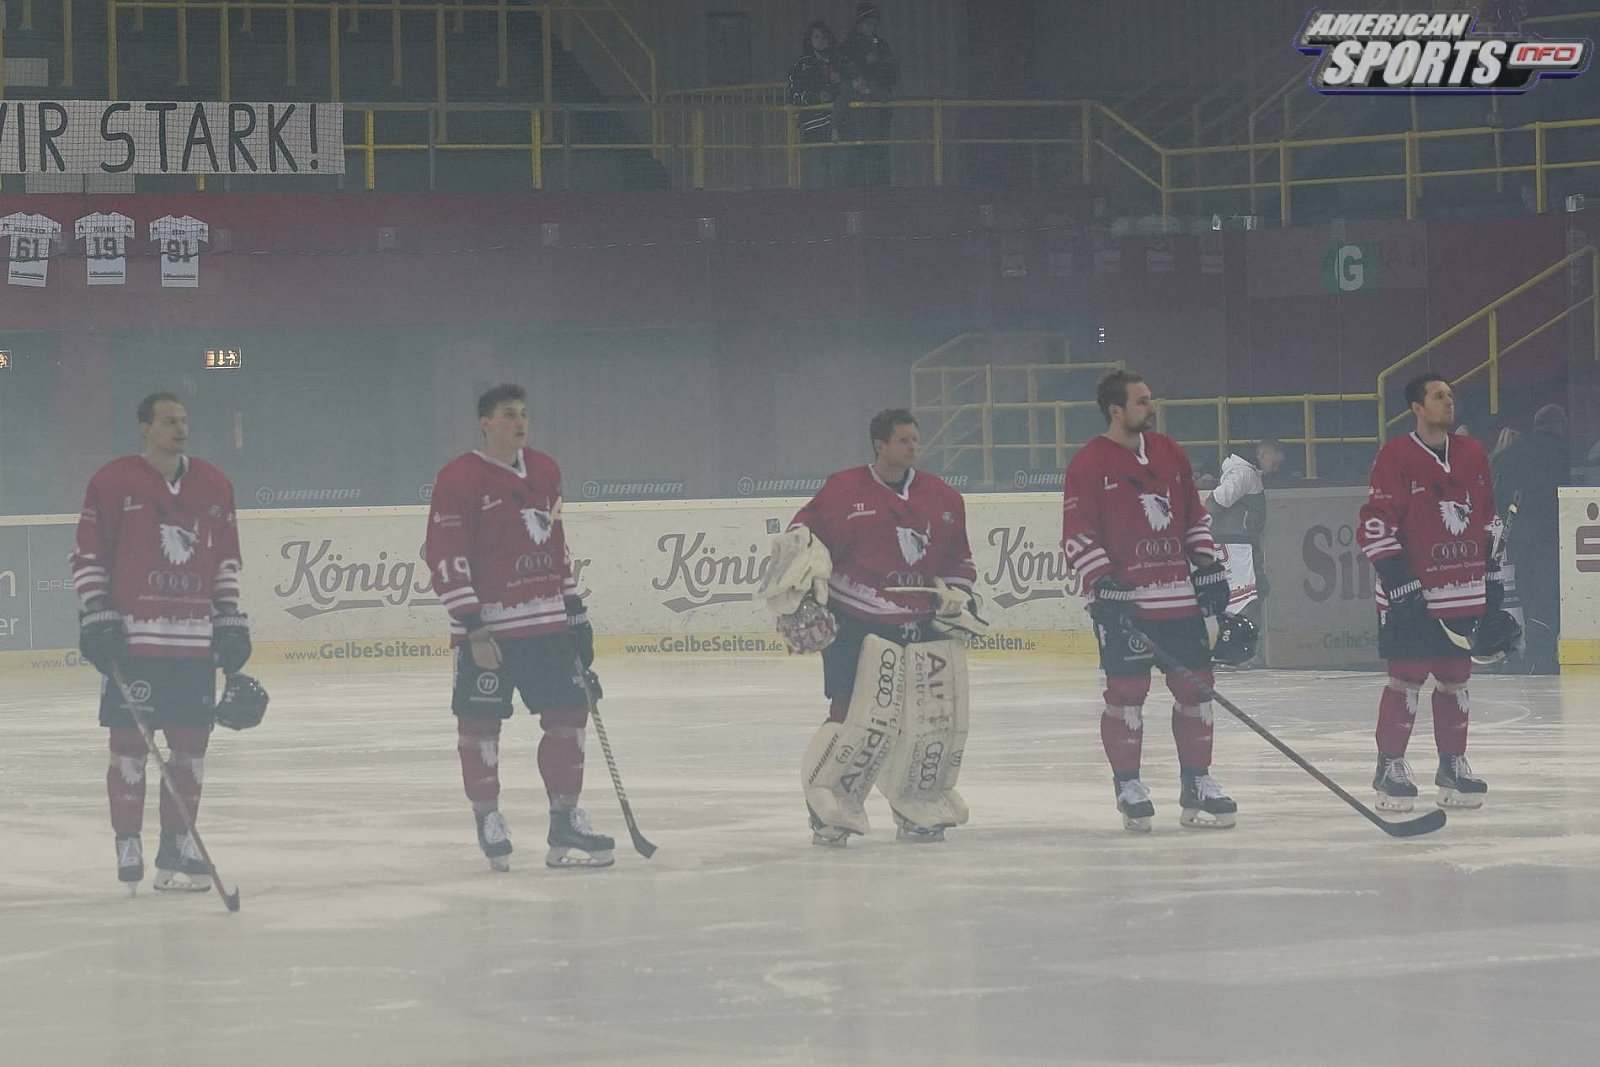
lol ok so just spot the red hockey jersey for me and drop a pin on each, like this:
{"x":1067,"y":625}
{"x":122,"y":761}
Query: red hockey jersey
{"x":165,"y":554}
{"x":1137,"y":517}
{"x":1435,"y":511}
{"x":496,"y":547}
{"x":879,"y":537}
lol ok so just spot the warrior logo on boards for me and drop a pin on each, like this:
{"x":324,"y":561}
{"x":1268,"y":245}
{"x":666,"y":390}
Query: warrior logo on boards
{"x":1430,"y":52}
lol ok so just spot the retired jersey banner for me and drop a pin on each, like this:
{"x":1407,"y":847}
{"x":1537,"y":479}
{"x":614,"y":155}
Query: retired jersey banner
{"x":170,"y":137}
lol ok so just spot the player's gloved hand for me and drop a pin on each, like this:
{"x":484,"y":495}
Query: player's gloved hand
{"x":582,"y":632}
{"x":593,"y":681}
{"x":102,"y":638}
{"x":1403,"y":592}
{"x":230,"y":641}
{"x":956,"y":608}
{"x":485,"y":649}
{"x":1211,"y":588}
{"x":1112,"y":604}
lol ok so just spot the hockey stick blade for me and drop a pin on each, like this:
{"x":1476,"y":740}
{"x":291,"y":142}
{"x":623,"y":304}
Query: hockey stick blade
{"x":640,"y":844}
{"x":1423,"y":824}
{"x":136,"y":713}
{"x":1462,"y":642}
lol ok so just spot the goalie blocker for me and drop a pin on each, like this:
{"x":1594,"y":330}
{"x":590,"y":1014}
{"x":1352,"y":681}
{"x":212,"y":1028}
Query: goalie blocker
{"x":905,"y":730}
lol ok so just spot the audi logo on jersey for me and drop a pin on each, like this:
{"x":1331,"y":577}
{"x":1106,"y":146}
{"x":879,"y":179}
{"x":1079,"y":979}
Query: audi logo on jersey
{"x":535,"y":562}
{"x":173,"y":583}
{"x":903,"y":578}
{"x":1158,"y":548}
{"x":1455,"y":551}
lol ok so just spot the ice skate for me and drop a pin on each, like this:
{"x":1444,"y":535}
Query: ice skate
{"x":130,"y":862}
{"x":906,"y":830}
{"x":825,"y":835}
{"x":1397,"y":790}
{"x":179,"y":867}
{"x":494,"y":839}
{"x":1133,"y":801}
{"x":1205,"y":805}
{"x":570,"y":832}
{"x":1459,"y":788}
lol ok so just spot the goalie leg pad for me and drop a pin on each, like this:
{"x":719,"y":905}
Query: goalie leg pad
{"x":845,"y":758}
{"x":920,"y":778}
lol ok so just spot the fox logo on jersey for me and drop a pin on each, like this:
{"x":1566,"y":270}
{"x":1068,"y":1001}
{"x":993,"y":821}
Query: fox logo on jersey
{"x":177,"y":544}
{"x":1157,"y":509}
{"x":1429,"y":52}
{"x":539,"y":524}
{"x":1456,"y":515}
{"x":913,"y":543}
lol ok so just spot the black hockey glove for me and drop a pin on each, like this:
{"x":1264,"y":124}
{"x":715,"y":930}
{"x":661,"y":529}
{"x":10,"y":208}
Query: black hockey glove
{"x":230,"y":641}
{"x":1403,"y":592}
{"x":1112,"y":604}
{"x":593,"y":681}
{"x":1211,"y":588}
{"x":102,"y":638}
{"x":582,"y":632}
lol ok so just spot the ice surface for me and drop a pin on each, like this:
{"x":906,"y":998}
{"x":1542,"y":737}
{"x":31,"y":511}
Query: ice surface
{"x":373,"y":932}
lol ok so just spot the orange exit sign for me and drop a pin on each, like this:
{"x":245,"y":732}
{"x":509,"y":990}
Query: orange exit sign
{"x":224,"y":359}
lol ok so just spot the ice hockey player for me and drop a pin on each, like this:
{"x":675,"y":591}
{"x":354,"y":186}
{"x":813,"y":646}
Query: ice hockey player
{"x":1136,"y":534}
{"x":497,"y":551}
{"x":1427,"y":526}
{"x":875,"y":573}
{"x":156,"y":567}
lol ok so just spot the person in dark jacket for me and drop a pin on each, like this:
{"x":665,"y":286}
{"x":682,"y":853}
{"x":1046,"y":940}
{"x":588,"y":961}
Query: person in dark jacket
{"x":1531,"y":469}
{"x":817,"y":77}
{"x":874,"y":72}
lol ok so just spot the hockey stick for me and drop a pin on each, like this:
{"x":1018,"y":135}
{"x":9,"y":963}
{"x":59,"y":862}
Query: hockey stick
{"x":1423,"y":824}
{"x":137,"y":714}
{"x":644,"y":848}
{"x":1464,"y":642}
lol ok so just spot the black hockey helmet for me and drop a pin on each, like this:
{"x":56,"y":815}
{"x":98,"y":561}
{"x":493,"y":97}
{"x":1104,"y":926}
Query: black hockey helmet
{"x":1498,"y":635}
{"x":1237,"y":640}
{"x":243,"y":703}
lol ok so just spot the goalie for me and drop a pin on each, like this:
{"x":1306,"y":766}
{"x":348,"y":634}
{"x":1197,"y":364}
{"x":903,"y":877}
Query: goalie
{"x":876,"y":574}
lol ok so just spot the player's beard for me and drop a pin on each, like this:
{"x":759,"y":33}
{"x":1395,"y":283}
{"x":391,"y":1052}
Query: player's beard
{"x":1145,"y":425}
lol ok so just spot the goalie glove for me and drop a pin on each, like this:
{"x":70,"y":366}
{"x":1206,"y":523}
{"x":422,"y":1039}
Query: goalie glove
{"x":800,"y":565}
{"x":956,"y":610}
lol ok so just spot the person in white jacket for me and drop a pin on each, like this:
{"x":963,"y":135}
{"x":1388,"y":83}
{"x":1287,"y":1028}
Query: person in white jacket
{"x":1238,"y":509}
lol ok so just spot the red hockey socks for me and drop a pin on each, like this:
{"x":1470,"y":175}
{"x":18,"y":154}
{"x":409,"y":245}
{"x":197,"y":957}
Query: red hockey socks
{"x":1397,"y":714}
{"x":478,"y":744}
{"x":561,"y":754}
{"x":1191,"y":729}
{"x":125,"y":779}
{"x":186,"y":762}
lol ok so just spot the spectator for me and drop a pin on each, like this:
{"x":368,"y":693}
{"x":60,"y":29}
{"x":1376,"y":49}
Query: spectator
{"x":817,"y":77}
{"x":1530,"y":471}
{"x":1238,"y":509}
{"x":874,"y":73}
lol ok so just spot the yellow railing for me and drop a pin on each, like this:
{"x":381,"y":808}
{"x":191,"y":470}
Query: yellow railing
{"x":640,"y":75}
{"x":1496,"y":348}
{"x":1062,"y":446}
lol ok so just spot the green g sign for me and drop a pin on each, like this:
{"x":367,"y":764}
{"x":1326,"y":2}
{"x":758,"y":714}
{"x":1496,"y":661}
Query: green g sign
{"x":1350,"y":268}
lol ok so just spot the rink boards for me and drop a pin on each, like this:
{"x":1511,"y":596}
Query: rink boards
{"x":678,"y":578}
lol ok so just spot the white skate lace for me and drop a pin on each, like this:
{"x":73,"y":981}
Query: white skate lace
{"x":1133,"y":791}
{"x":1207,"y":787}
{"x":581,"y":823}
{"x":1460,"y":768}
{"x":494,"y":828}
{"x":1399,"y":772}
{"x":129,"y":853}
